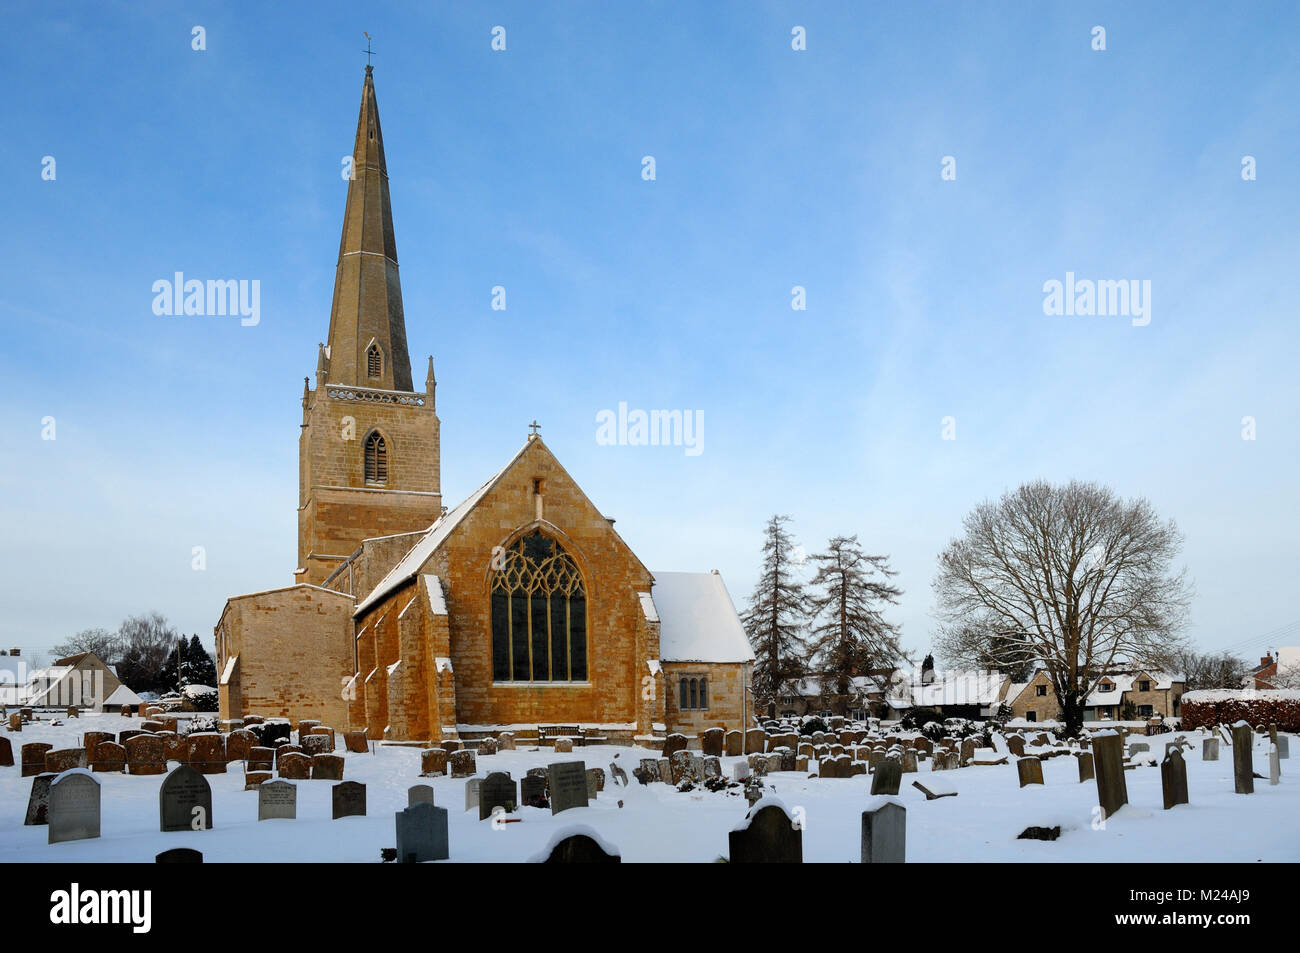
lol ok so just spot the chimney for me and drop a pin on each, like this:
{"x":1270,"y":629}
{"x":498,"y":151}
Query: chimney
{"x":15,"y":651}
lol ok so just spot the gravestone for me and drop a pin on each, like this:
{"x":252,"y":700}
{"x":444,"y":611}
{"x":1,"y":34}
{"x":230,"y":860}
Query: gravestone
{"x":15,"y":721}
{"x":348,"y":799}
{"x":532,"y":791}
{"x":568,"y":785}
{"x":617,"y":773}
{"x":277,"y":800}
{"x":326,"y":767}
{"x":64,"y":759}
{"x":1108,"y":763}
{"x":179,"y":855}
{"x":1210,"y":749}
{"x":144,"y":755}
{"x":175,"y":747}
{"x":909,"y":761}
{"x":649,"y":770}
{"x":294,"y":765}
{"x":185,"y":801}
{"x":740,"y":770}
{"x":1283,"y":747}
{"x":433,"y":762}
{"x":6,"y":753}
{"x":735,"y":743}
{"x":712,"y":742}
{"x":462,"y":764}
{"x":1030,"y":771}
{"x":1173,"y":778}
{"x":884,"y":833}
{"x":1085,"y":766}
{"x":681,"y":766}
{"x":563,"y":745}
{"x":498,"y":790}
{"x":422,"y":834}
{"x":1243,"y":762}
{"x":38,"y":802}
{"x":755,"y":741}
{"x":595,"y":782}
{"x":506,"y":741}
{"x":260,"y":758}
{"x":580,"y":849}
{"x":473,"y":790}
{"x":33,"y":756}
{"x":253,"y":779}
{"x":766,"y":836}
{"x":314,"y":744}
{"x":665,"y":770}
{"x":207,"y":752}
{"x":109,"y":757}
{"x":1137,"y":746}
{"x":887,"y":777}
{"x":91,"y":739}
{"x":1016,"y":745}
{"x":355,"y":742}
{"x":238,"y":745}
{"x":673,"y":743}
{"x":1274,"y":765}
{"x":419,"y":794}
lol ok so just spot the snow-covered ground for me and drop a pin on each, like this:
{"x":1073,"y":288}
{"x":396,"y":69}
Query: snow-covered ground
{"x":658,"y":823}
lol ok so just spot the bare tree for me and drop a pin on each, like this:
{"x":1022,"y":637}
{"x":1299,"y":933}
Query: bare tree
{"x":777,"y":615}
{"x":1210,"y":669}
{"x":102,"y":642}
{"x":146,"y":642}
{"x":1073,"y":576}
{"x":850,"y":588}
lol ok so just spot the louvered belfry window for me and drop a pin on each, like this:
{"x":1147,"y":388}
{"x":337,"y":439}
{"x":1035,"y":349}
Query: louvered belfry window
{"x":374,"y":361}
{"x":376,"y":460}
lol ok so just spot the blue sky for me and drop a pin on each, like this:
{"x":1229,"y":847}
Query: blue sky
{"x":775,"y":168}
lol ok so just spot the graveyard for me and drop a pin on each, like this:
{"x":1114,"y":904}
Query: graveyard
{"x":970,"y":805}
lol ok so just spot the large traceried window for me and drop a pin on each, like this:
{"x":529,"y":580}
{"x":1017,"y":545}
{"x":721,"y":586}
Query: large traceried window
{"x":539,"y":614}
{"x":376,"y":460}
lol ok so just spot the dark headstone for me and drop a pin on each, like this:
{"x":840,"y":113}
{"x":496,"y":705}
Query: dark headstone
{"x":1039,"y":833}
{"x":33,"y":756}
{"x":348,"y":798}
{"x":1108,"y":764}
{"x":567,"y":784}
{"x":497,"y":790}
{"x":580,"y":849}
{"x":179,"y":855}
{"x":185,"y":801}
{"x":462,"y":764}
{"x":769,"y":837}
{"x":433,"y":761}
{"x":532,"y":791}
{"x":422,"y":834}
{"x":1243,"y":764}
{"x":1085,"y":766}
{"x":326,"y":767}
{"x":1173,"y":778}
{"x":888,"y":776}
{"x":38,"y":802}
{"x":712,"y":742}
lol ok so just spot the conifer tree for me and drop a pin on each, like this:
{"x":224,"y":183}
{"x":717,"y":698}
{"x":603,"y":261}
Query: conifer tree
{"x":777,"y":615}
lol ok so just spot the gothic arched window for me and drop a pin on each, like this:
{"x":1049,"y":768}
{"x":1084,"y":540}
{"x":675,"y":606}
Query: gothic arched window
{"x":374,"y":361}
{"x":539,"y":614}
{"x":376,"y":460}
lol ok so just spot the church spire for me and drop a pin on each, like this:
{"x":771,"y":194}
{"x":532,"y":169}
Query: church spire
{"x":367,"y":339}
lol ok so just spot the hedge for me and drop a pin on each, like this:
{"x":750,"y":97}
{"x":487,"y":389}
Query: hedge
{"x":1257,"y":708}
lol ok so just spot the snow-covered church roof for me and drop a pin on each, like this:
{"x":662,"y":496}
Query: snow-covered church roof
{"x":697,"y":619}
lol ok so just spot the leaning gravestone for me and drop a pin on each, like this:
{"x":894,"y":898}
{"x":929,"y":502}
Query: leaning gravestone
{"x":38,"y":802}
{"x":1030,"y":771}
{"x":1108,"y":762}
{"x":1243,"y":763}
{"x":473,"y":788}
{"x":1173,"y":778}
{"x":766,"y":836}
{"x":497,"y":790}
{"x":1085,"y":766}
{"x":419,"y":794}
{"x":422,"y":834}
{"x":595,"y":782}
{"x":884,"y":832}
{"x":348,"y":799}
{"x":568,"y":784}
{"x":277,"y":800}
{"x":356,"y":742}
{"x":580,"y":848}
{"x":1210,"y":749}
{"x":185,"y":801}
{"x":74,"y":806}
{"x":888,"y":776}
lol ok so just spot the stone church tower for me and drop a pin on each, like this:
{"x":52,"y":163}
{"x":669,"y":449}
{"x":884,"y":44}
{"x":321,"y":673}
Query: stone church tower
{"x":369,"y":450}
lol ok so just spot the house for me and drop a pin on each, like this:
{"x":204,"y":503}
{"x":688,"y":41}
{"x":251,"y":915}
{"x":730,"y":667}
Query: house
{"x":953,"y":694}
{"x":1149,"y":693}
{"x":83,"y":680}
{"x":818,"y":695}
{"x":1263,"y":675}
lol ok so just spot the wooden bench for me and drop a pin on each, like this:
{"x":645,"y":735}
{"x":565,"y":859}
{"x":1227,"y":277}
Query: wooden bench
{"x":549,"y":733}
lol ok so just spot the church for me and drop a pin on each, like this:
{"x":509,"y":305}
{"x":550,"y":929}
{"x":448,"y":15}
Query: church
{"x":519,"y":608}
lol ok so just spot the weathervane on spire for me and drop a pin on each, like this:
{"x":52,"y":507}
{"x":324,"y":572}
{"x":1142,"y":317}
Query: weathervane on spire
{"x":368,"y":51}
